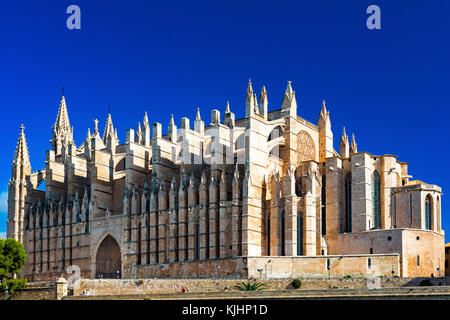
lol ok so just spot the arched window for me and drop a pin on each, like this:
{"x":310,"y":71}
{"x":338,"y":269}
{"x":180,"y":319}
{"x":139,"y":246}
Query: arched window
{"x":348,"y":202}
{"x":428,"y":212}
{"x":298,"y":186}
{"x":376,"y":201}
{"x":438,"y":214}
{"x":282,"y":233}
{"x":197,"y":240}
{"x":324,"y":208}
{"x":299,"y":234}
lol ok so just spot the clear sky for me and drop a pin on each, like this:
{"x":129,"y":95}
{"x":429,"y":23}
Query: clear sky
{"x":390,"y":87}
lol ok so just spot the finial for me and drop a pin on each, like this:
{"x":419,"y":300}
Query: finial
{"x":109,"y":108}
{"x":63,"y":92}
{"x":197,"y":117}
{"x":22,"y":127}
{"x":96,"y":126}
{"x":227,"y":109}
{"x":171,"y":120}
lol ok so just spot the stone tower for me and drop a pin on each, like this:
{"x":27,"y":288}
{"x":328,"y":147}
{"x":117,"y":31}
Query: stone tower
{"x":17,"y":188}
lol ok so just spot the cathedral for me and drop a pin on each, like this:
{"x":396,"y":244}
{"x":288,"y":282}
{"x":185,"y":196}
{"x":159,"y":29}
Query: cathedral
{"x":265,"y":196}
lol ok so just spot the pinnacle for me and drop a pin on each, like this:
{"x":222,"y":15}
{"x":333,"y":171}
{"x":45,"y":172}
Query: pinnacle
{"x":62,"y":123}
{"x":96,"y":127}
{"x":197,"y":117}
{"x":21,"y":153}
{"x":227,"y":109}
{"x":289,"y":90}
{"x":145,"y":121}
{"x":249,"y":87}
{"x":109,"y":128}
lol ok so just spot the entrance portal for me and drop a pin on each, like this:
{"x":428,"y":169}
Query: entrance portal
{"x":108,"y":263}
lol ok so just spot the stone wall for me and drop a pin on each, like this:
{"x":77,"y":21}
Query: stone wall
{"x":359,"y":266}
{"x":160,"y":286}
{"x":36,"y":291}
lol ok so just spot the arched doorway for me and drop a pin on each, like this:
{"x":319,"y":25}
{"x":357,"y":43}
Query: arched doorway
{"x":108,"y":261}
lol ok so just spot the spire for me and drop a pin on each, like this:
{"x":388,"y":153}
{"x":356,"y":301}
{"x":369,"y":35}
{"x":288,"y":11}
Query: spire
{"x":289,"y":104}
{"x":250,"y":100}
{"x":21,"y":156}
{"x":109,"y":129}
{"x":353,"y":146}
{"x":249,"y":88}
{"x":199,"y":125}
{"x":173,"y":184}
{"x":88,"y":135}
{"x":344,"y":147}
{"x":96,"y":128}
{"x":62,"y":124}
{"x":146,"y":131}
{"x":255,"y":104}
{"x":172,"y":131}
{"x":139,"y":134}
{"x":263,"y":102}
{"x":344,"y":136}
{"x":203,"y":179}
{"x":145,"y":122}
{"x":227,"y":108}
{"x":61,"y":129}
{"x":289,"y":90}
{"x":323,"y":112}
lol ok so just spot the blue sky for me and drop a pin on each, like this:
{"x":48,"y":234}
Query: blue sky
{"x":390,"y":87}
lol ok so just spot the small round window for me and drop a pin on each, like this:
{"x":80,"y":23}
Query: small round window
{"x":389,"y":238}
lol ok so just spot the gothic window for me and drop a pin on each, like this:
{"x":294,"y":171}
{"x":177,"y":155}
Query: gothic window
{"x":299,"y":234}
{"x":197,"y":240}
{"x":298,"y":186}
{"x":323,"y":202}
{"x":438,"y":214}
{"x":376,"y":201}
{"x":283,"y":239}
{"x":306,"y":149}
{"x":139,"y":244}
{"x":428,"y":212}
{"x":348,"y":202}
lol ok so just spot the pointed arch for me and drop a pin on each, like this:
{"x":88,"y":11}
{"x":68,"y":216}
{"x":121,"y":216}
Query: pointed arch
{"x":108,"y":258}
{"x":306,"y":149}
{"x":428,"y":212}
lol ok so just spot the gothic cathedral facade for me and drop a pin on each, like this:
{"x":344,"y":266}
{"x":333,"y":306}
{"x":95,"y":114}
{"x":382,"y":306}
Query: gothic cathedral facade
{"x":265,"y":196}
